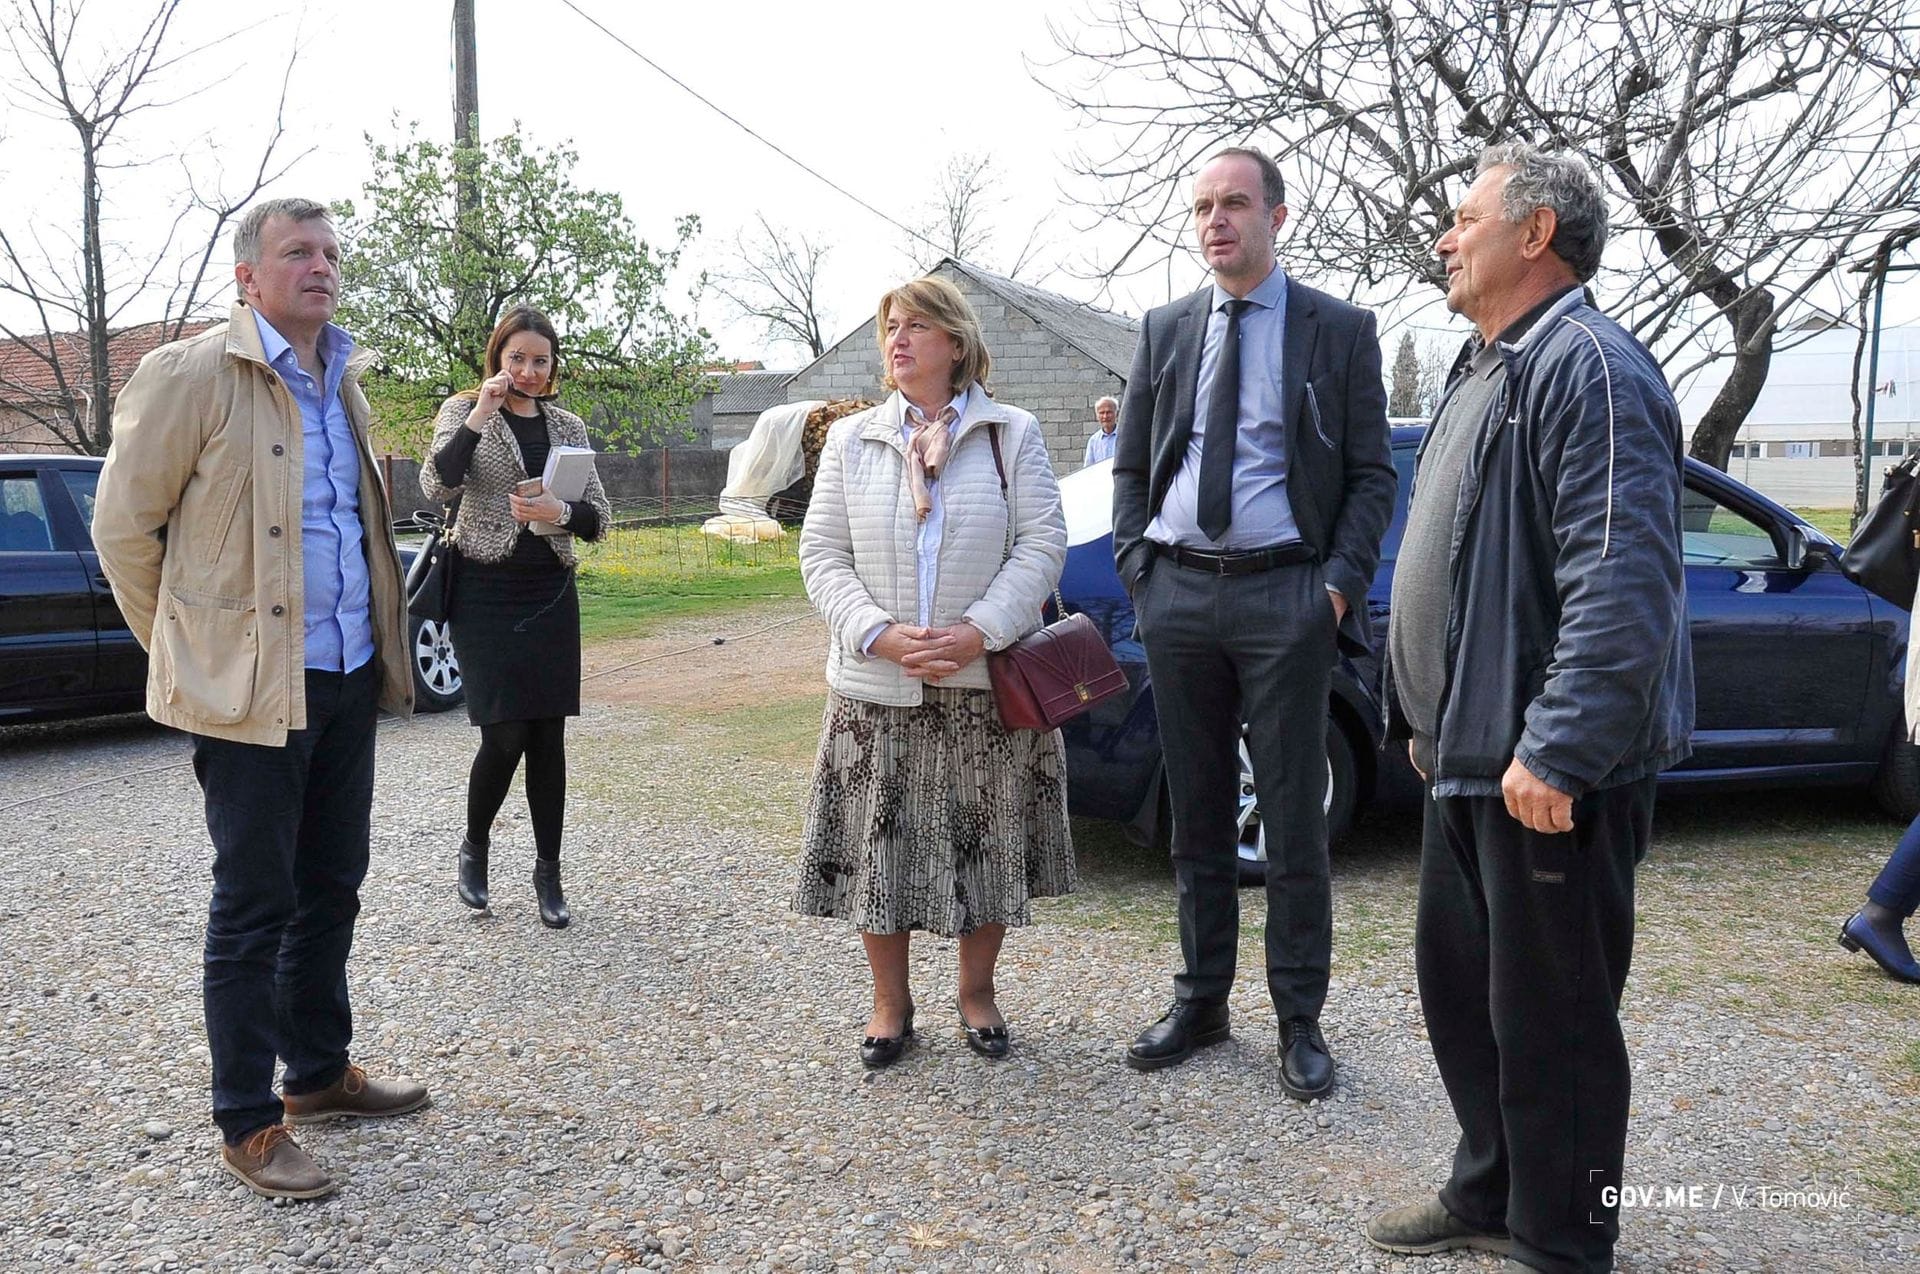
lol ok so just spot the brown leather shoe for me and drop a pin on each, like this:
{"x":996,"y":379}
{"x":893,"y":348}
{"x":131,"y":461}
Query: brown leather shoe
{"x":273,"y":1165}
{"x":355,"y":1096}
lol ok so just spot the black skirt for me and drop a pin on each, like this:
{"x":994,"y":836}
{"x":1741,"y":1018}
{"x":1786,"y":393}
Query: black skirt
{"x":516,"y":632}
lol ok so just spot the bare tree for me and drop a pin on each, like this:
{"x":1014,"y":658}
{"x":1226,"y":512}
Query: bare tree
{"x":1753,"y":149}
{"x":83,"y":285}
{"x":960,"y":220}
{"x":775,"y":279}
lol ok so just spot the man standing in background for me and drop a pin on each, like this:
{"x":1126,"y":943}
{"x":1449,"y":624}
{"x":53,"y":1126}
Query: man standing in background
{"x":1100,"y":446}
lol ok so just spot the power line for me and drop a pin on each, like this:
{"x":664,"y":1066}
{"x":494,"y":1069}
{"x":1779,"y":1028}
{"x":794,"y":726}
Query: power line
{"x":773,"y":146}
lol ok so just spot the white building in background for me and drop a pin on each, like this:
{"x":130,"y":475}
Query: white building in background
{"x":1797,"y":444}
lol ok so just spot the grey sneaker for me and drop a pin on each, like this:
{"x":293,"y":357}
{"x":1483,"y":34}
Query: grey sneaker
{"x":1422,"y":1228}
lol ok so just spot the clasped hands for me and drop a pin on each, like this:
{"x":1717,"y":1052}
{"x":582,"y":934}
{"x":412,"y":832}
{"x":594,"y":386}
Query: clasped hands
{"x":930,"y":654}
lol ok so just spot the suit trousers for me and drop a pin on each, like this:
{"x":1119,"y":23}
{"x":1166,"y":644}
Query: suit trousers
{"x":290,"y":829}
{"x":1259,"y":649}
{"x":1522,"y":945}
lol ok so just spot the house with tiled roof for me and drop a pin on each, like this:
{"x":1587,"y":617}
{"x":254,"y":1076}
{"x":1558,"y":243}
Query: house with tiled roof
{"x":1052,"y":356}
{"x":45,"y":378}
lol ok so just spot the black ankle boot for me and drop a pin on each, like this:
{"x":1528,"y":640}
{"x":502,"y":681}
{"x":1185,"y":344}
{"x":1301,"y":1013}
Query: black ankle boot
{"x":546,"y":887}
{"x":473,"y":874}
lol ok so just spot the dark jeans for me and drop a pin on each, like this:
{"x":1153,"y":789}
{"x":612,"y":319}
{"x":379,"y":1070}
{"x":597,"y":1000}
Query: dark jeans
{"x":1522,"y":945}
{"x":1897,"y":887}
{"x":1255,"y":648}
{"x":290,"y":829}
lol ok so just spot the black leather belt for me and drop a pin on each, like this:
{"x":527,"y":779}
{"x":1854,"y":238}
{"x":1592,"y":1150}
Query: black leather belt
{"x":1245,"y":562}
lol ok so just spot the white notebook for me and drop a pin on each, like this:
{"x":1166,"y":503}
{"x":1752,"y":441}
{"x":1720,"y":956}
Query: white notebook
{"x":565,"y":476}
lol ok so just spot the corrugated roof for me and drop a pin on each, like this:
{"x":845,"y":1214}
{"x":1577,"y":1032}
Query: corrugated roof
{"x":741,"y":392}
{"x":1101,"y":335}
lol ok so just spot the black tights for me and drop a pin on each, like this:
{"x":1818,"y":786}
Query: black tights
{"x":502,"y":744}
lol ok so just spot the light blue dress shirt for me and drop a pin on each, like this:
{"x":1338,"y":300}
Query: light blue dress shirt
{"x":1100,"y":446}
{"x":1262,"y":514}
{"x":333,"y":556}
{"x":933,"y":529}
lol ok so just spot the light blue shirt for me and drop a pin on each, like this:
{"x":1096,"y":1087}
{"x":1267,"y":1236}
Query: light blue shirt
{"x":333,"y":557}
{"x":1100,"y":446}
{"x":1262,"y":514}
{"x":933,"y":528}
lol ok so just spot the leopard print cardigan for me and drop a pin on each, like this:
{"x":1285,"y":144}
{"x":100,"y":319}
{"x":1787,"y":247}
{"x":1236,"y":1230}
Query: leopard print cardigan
{"x":485,"y":529}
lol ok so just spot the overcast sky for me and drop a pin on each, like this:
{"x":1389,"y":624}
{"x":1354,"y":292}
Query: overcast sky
{"x":877,"y":96}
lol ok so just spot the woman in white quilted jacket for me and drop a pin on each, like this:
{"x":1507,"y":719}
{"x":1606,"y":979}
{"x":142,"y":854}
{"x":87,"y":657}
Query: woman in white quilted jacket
{"x":925,"y":812}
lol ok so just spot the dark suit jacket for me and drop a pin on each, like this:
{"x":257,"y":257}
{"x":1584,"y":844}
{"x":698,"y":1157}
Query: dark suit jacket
{"x":1340,"y":476}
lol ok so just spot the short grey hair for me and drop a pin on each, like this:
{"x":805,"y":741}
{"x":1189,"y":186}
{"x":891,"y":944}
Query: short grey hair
{"x":1562,"y":182}
{"x":1104,"y":399}
{"x":246,"y":236}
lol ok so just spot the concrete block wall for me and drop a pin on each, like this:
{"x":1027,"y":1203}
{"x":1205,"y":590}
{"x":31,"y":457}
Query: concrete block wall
{"x":1032,"y":369}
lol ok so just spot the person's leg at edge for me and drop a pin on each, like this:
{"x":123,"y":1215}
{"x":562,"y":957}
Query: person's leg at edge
{"x":1450,"y":949}
{"x":502,"y":744}
{"x":979,"y":952}
{"x":1561,"y":912}
{"x":1197,"y":699}
{"x":546,"y":752}
{"x":892,"y":999}
{"x":310,"y":986}
{"x":254,"y":797}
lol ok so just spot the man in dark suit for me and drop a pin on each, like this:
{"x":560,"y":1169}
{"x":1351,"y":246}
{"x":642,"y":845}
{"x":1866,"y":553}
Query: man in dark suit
{"x":1251,"y":486}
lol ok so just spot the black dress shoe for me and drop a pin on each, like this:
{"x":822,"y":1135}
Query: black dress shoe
{"x":988,"y":1041}
{"x":473,"y":874}
{"x":877,"y":1051}
{"x":546,"y":888}
{"x":1306,"y":1067}
{"x":1186,"y":1025}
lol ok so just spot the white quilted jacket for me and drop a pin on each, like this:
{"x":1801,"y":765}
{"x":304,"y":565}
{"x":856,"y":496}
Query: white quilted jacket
{"x":857,"y":549}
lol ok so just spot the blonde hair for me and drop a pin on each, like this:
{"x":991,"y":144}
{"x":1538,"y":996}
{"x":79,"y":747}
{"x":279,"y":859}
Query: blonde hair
{"x":941,"y":304}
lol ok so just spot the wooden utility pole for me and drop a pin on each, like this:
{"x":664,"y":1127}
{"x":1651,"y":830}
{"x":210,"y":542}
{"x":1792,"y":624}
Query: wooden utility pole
{"x":466,"y":101}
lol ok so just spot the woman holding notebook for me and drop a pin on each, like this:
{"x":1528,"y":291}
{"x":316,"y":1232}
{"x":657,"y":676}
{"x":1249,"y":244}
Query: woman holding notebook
{"x":515,"y":617}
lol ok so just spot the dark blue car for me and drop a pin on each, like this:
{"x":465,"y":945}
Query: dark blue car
{"x":1798,"y":670}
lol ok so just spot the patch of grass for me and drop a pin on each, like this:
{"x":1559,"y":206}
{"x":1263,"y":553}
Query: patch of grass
{"x":1911,"y":1058}
{"x":638,"y":578}
{"x":1897,"y":1177}
{"x":608,"y":616}
{"x":1835,"y":522}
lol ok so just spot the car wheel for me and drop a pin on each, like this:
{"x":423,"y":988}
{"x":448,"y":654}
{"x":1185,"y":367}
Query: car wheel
{"x":1338,"y":804}
{"x":436,"y":672}
{"x":1896,"y":784}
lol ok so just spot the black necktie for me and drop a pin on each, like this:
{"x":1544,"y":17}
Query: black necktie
{"x":1215,"y":504}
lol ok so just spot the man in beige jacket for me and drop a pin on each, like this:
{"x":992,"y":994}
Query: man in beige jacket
{"x":247,"y":537}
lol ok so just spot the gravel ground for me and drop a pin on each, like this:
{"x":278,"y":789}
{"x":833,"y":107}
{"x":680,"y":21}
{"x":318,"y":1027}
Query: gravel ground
{"x":672,"y":1083}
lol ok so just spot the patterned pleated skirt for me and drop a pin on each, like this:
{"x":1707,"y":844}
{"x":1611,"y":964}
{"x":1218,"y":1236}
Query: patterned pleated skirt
{"x":933,"y":817}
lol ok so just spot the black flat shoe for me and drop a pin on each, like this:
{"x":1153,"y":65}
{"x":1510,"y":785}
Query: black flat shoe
{"x":988,"y":1041}
{"x":1306,"y":1067}
{"x":473,"y":875}
{"x":877,"y":1051}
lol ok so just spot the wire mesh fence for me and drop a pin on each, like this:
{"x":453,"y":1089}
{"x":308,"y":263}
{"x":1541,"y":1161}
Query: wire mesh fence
{"x":649,"y":548}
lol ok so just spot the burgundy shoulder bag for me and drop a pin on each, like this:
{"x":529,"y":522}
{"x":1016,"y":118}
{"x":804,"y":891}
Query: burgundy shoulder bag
{"x":1053,"y":675}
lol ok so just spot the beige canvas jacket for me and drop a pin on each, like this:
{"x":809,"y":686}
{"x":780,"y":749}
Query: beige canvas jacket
{"x":859,"y":547}
{"x":197,"y":523}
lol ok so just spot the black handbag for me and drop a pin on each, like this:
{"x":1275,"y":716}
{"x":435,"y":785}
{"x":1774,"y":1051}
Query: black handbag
{"x":430,"y":578}
{"x":1885,"y":553}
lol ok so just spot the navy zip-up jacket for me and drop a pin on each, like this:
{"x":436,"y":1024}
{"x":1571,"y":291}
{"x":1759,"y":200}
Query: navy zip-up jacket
{"x":1567,"y":640}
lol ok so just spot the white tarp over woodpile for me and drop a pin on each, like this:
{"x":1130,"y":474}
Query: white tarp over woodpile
{"x":769,"y":461}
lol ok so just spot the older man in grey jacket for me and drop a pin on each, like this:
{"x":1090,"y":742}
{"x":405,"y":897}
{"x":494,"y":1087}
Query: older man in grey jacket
{"x":1538,"y":655}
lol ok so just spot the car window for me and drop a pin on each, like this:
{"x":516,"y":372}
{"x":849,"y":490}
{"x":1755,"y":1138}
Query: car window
{"x":23,"y":515}
{"x":1715,"y":535}
{"x":81,"y":484}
